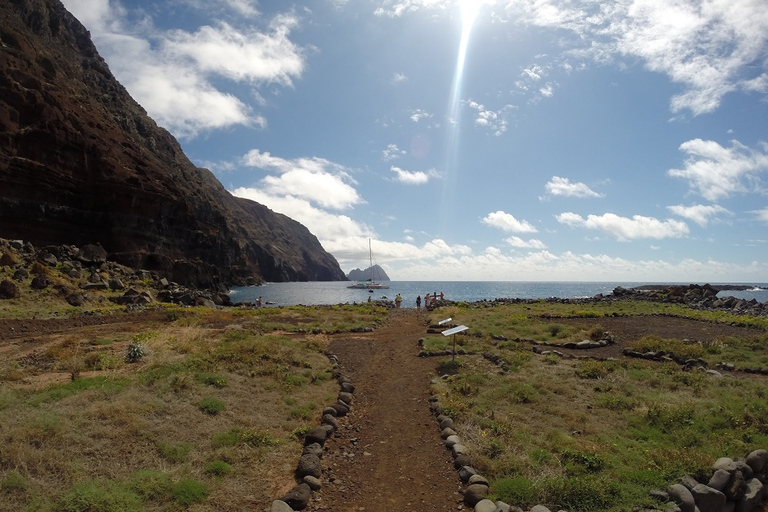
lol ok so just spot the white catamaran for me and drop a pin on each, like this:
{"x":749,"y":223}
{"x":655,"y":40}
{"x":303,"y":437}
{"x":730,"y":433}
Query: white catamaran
{"x":371,"y":283}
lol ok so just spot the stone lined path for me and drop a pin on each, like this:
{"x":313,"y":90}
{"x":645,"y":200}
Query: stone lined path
{"x":388,"y":455}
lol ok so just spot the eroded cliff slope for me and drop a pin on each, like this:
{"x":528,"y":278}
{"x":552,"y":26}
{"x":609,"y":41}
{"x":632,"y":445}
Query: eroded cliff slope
{"x":81,"y":162}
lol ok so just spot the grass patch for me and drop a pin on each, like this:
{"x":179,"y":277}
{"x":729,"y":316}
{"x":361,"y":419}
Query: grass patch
{"x":212,"y":406}
{"x":596,"y":435}
{"x":188,"y":492}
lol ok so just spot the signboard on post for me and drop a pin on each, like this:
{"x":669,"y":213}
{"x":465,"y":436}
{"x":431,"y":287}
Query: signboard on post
{"x":453,"y":331}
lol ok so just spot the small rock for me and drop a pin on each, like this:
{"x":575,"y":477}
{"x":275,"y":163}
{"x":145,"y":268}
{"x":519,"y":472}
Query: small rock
{"x":473,"y":494}
{"x":280,"y":506}
{"x":485,"y":505}
{"x":298,"y":497}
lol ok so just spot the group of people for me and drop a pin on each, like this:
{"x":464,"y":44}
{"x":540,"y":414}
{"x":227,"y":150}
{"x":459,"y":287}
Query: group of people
{"x":429,"y":299}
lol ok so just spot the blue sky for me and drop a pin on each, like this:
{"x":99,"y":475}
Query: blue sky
{"x":540,"y":140}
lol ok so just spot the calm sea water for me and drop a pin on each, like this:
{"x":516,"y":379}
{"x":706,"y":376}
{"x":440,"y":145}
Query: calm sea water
{"x":314,"y":293}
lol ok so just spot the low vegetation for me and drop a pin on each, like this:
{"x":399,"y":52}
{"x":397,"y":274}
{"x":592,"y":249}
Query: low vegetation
{"x":176,"y":414}
{"x":589,"y":434}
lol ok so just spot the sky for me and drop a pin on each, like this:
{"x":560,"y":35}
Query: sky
{"x":485,"y":140}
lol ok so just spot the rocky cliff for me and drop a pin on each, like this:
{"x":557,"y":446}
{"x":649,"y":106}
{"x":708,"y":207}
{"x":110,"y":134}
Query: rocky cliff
{"x":81,"y":162}
{"x":375,"y":272}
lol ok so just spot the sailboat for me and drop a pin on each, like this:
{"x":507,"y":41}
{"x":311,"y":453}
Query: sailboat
{"x":369,"y":284}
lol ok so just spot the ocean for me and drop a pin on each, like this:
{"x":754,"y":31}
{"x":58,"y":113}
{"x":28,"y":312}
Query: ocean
{"x":336,"y":292}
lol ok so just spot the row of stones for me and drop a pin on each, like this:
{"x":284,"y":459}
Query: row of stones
{"x":735,"y":486}
{"x":309,"y":467}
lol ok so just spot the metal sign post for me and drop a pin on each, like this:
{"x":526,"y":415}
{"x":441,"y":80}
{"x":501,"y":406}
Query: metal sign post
{"x":453,"y":332}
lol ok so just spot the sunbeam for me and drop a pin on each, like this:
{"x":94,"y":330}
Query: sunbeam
{"x":469,"y":11}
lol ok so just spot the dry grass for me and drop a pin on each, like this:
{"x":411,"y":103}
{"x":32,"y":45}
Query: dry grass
{"x":111,"y":425}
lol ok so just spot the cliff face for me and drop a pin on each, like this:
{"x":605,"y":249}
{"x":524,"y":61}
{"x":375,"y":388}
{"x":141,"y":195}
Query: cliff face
{"x":81,"y":162}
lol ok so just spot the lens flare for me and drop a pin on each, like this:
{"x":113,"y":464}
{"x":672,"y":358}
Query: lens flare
{"x":469,"y":11}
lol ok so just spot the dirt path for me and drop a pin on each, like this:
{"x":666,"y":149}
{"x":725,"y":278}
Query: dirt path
{"x":388,"y":454}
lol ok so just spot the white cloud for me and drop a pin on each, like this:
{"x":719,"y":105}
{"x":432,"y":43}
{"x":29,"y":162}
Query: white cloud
{"x":716,"y":172}
{"x":624,"y":228}
{"x":494,"y":265}
{"x":314,"y":179}
{"x":172,"y":73}
{"x":508,"y":222}
{"x":558,"y":186}
{"x":398,"y":78}
{"x":419,"y":114}
{"x":711,"y":48}
{"x":493,"y":120}
{"x":324,"y":225}
{"x":699,"y":213}
{"x":413,"y":177}
{"x":519,"y":243}
{"x":762,"y":215}
{"x":392,"y":152}
{"x":397,"y":8}
{"x":251,"y":56}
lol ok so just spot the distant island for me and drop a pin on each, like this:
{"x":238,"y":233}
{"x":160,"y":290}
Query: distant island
{"x":361,"y":275}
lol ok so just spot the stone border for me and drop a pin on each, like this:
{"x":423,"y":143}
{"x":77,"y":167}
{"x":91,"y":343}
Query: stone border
{"x":735,"y":486}
{"x":309,"y":468}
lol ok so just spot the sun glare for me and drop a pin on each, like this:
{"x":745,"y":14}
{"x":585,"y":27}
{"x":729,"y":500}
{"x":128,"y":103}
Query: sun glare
{"x":469,"y":10}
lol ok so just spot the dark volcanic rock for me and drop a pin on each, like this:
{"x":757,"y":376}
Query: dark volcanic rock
{"x":81,"y":163}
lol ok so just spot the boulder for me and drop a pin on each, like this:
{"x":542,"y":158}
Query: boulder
{"x":9,"y":289}
{"x":478,"y":479}
{"x":298,"y":497}
{"x":313,"y":482}
{"x":736,"y":487}
{"x":331,"y":420}
{"x":758,"y":460}
{"x":719,"y":479}
{"x":459,"y":449}
{"x":683,"y":497}
{"x":752,"y":497}
{"x":485,"y":505}
{"x":280,"y":506}
{"x":466,"y":472}
{"x":475,"y":493}
{"x":313,"y":448}
{"x":92,"y":254}
{"x":309,"y":464}
{"x":316,"y":435}
{"x":708,"y":499}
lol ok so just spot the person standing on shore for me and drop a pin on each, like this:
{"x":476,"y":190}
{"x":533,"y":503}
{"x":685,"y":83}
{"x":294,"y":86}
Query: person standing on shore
{"x":398,"y":300}
{"x":418,"y":302}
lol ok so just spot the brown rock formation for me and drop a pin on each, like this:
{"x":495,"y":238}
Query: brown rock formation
{"x":81,"y":162}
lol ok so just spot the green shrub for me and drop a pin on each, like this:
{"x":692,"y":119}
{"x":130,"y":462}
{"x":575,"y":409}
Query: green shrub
{"x":188,"y":492}
{"x":583,"y":494}
{"x":151,"y":484}
{"x":212,"y":406}
{"x":13,"y":481}
{"x":218,"y":468}
{"x":448,"y":367}
{"x":614,"y":402}
{"x":577,"y":462}
{"x":212,"y":379}
{"x":591,"y":369}
{"x":135,"y":352}
{"x":99,"y":496}
{"x":175,"y":452}
{"x":518,"y":490}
